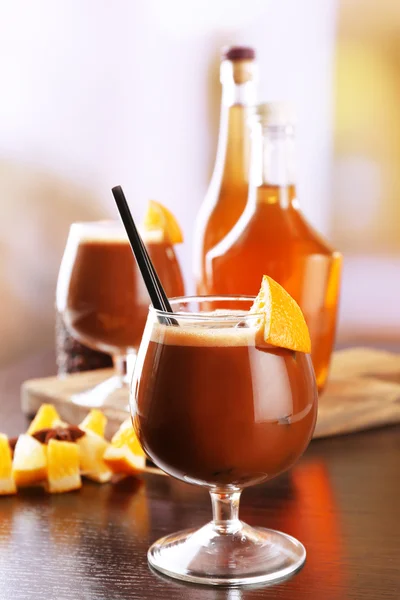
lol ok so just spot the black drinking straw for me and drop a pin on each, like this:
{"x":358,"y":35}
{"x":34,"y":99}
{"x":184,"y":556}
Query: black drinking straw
{"x":153,"y":284}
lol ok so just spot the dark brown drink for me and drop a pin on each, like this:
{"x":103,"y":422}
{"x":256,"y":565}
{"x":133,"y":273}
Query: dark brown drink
{"x":106,"y":302}
{"x":213,"y":408}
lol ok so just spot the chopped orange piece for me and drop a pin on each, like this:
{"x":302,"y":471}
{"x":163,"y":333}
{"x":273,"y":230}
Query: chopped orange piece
{"x":159,"y":218}
{"x":63,"y":466}
{"x":94,"y":421}
{"x":282,"y":323}
{"x":125,"y":455}
{"x":7,"y":483}
{"x":29,"y":463}
{"x":122,"y":460}
{"x":126,"y":436}
{"x":92,"y":448}
{"x":46,"y":418}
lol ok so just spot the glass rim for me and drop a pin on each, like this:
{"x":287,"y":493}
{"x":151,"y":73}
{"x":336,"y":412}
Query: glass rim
{"x":97,"y":223}
{"x":112,"y":230}
{"x":207,"y":316}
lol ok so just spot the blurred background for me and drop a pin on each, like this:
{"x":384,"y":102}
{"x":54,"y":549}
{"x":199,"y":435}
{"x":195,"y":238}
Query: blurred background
{"x":98,"y":93}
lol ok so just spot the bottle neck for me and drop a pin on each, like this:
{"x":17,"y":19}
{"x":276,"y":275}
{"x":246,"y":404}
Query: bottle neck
{"x":239,"y":93}
{"x":272,"y":161}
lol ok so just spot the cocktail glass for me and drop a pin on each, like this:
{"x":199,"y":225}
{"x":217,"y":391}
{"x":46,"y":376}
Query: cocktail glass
{"x":214,"y":408}
{"x":103,"y":300}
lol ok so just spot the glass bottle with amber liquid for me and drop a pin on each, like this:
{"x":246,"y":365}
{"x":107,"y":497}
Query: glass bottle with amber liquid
{"x":227,"y":193}
{"x":272,"y":237}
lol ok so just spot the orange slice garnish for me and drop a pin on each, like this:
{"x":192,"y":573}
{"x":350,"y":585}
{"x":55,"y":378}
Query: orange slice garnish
{"x":46,"y":418}
{"x":159,"y":218}
{"x":63,"y":466}
{"x":7,"y":483}
{"x":95,"y":421}
{"x":282,"y":323}
{"x":29,"y":463}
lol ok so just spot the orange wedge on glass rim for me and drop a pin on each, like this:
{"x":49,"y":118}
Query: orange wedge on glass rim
{"x":159,"y":218}
{"x":281,"y":322}
{"x":63,"y":473}
{"x":125,"y":454}
{"x":7,"y":483}
{"x":29,"y":462}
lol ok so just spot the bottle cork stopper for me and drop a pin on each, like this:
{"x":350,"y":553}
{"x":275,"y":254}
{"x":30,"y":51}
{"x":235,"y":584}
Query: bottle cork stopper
{"x":238,"y":53}
{"x":239,"y":62}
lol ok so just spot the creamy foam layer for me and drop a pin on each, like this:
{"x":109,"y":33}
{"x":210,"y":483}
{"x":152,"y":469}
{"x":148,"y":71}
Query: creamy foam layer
{"x":205,"y":336}
{"x":110,"y":232}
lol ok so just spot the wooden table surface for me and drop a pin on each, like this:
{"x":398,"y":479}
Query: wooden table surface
{"x":342,"y":500}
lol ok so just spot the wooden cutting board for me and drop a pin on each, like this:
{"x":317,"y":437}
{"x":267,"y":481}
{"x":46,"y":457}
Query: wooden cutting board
{"x":363,"y":392}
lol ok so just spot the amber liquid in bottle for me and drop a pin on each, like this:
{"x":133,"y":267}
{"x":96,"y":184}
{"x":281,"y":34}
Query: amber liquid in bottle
{"x":273,"y":237}
{"x":227,"y":194}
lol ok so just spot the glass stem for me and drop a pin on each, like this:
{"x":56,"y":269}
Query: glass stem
{"x":121,"y":368}
{"x":225,"y":507}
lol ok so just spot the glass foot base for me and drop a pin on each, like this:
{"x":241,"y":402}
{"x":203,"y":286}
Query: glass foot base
{"x":245,"y":556}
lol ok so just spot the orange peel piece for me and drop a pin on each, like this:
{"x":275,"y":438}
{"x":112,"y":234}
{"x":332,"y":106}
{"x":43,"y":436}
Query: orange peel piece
{"x":123,"y":461}
{"x":7,"y":483}
{"x":63,"y":467}
{"x":125,"y":454}
{"x":91,"y":451}
{"x":46,"y":417}
{"x":95,"y":421}
{"x":126,"y":436}
{"x":30,"y":462}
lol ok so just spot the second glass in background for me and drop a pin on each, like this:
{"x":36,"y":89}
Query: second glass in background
{"x":102,"y":298}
